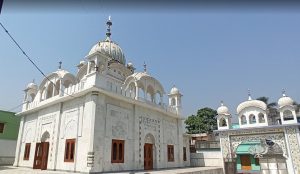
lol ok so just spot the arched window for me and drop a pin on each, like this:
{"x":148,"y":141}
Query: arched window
{"x":261,"y":118}
{"x":42,"y":94}
{"x":92,"y":66}
{"x":173,"y":102}
{"x":157,"y":98}
{"x":31,"y":97}
{"x":117,"y":151}
{"x":132,"y":90}
{"x":252,"y":119}
{"x":150,"y":93}
{"x":243,"y":120}
{"x":57,"y":88}
{"x":288,"y":115}
{"x":49,"y":91}
{"x":149,"y":97}
{"x":141,"y":93}
{"x":222,"y":122}
{"x":67,"y":83}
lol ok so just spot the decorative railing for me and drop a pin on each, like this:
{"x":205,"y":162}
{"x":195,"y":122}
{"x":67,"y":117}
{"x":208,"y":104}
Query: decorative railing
{"x":72,"y":89}
{"x":141,"y":99}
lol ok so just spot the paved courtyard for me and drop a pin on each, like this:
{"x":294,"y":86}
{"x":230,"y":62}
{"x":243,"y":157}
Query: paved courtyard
{"x":191,"y":170}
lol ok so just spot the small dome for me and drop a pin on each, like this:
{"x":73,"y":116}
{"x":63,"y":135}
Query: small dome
{"x":32,"y":85}
{"x":223,"y":110}
{"x":174,"y":90}
{"x":140,"y":78}
{"x":140,"y":75}
{"x":59,"y":74}
{"x":251,"y":103}
{"x":129,"y":64}
{"x":285,"y":101}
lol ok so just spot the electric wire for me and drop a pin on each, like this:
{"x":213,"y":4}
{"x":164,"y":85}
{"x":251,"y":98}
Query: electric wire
{"x":16,"y":107}
{"x":32,"y":62}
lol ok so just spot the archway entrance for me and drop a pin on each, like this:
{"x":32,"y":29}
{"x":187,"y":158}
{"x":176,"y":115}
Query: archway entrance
{"x":149,"y":152}
{"x":260,"y":156}
{"x":41,"y":153}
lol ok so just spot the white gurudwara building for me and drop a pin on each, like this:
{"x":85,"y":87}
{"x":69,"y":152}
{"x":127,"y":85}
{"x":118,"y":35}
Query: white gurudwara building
{"x":105,"y":118}
{"x":262,"y":141}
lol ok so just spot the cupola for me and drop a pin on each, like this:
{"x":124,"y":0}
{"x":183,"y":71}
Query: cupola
{"x":223,"y":117}
{"x":287,"y":109}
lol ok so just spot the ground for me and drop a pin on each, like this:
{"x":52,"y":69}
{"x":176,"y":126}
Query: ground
{"x":190,"y":170}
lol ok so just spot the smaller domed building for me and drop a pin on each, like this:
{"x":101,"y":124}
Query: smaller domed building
{"x":104,"y":118}
{"x":261,"y":141}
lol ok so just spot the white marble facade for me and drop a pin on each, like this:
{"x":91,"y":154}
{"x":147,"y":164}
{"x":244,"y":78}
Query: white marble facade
{"x":276,"y":136}
{"x":105,"y":101}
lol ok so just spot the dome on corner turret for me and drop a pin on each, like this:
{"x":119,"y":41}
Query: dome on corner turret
{"x":285,"y":100}
{"x":223,"y":110}
{"x":174,"y":91}
{"x":32,"y":85}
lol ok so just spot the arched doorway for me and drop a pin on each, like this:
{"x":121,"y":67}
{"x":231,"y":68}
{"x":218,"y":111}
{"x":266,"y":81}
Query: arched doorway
{"x":41,"y":152}
{"x":260,"y":156}
{"x":149,"y":152}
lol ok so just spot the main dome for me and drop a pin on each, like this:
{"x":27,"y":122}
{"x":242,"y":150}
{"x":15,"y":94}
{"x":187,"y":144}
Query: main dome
{"x":109,"y":47}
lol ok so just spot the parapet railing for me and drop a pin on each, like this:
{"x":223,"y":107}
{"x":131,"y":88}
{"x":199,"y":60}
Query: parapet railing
{"x":72,"y":89}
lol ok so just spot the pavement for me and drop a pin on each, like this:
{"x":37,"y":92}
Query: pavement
{"x":186,"y":170}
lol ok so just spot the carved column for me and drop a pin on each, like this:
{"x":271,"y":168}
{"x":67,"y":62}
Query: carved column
{"x":91,"y":106}
{"x":294,"y":147}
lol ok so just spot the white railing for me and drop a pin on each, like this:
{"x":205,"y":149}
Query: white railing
{"x":72,"y":89}
{"x":65,"y":92}
{"x":141,"y":99}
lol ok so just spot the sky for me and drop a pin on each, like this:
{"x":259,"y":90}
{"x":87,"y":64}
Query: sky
{"x":210,"y":54}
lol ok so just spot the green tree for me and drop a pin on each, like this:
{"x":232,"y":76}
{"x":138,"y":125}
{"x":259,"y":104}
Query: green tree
{"x":204,"y":122}
{"x":266,"y":101}
{"x":297,"y":106}
{"x":271,"y":108}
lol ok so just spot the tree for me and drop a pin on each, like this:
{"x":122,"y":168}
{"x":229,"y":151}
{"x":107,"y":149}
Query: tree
{"x":271,"y":107}
{"x":204,"y":122}
{"x":297,"y":106}
{"x":266,"y":101}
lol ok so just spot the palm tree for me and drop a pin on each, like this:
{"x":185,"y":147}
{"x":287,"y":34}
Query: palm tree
{"x":266,"y":101}
{"x":271,"y":108}
{"x":297,"y":106}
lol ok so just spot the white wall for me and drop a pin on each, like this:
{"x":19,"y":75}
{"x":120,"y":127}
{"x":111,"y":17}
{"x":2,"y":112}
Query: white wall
{"x":7,"y":151}
{"x":120,"y":120}
{"x":94,"y":120}
{"x":208,"y":158}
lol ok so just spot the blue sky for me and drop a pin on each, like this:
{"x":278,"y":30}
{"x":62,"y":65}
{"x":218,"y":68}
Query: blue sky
{"x":209,"y":55}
